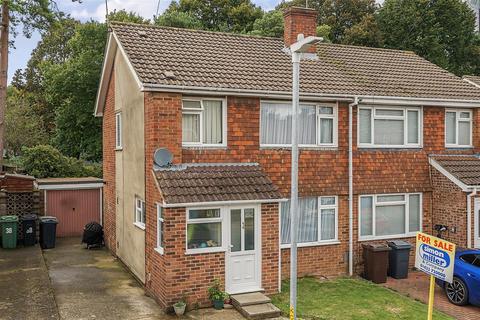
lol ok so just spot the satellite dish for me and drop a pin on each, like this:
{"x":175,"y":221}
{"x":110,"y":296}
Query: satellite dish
{"x":163,"y":157}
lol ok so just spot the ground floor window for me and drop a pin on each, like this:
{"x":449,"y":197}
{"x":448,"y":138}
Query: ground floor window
{"x":160,"y":239}
{"x":204,"y":229}
{"x":139,"y":218}
{"x":318,"y":220}
{"x":390,"y":216}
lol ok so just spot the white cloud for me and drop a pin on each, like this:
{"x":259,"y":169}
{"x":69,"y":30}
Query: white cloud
{"x":145,"y":8}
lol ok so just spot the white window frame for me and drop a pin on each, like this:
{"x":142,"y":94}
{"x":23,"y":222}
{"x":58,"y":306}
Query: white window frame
{"x":405,"y":202}
{"x":118,"y":131}
{"x":199,"y":111}
{"x":160,"y":224}
{"x":319,"y":116}
{"x":319,"y":242}
{"x":404,"y":118}
{"x":457,"y":120}
{"x":139,"y":213}
{"x":205,"y":220}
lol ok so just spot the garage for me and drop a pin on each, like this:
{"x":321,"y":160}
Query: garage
{"x":73,"y":201}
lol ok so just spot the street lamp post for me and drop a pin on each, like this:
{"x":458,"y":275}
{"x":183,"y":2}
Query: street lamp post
{"x":297,"y":49}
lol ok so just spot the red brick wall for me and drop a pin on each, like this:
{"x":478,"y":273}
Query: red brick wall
{"x":299,"y":20}
{"x":109,"y":195}
{"x":270,"y":247}
{"x":450,"y":208}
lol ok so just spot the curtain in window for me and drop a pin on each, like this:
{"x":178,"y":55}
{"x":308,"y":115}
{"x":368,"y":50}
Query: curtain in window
{"x":464,"y":133}
{"x":412,"y":126}
{"x":307,"y":125}
{"x":388,"y":132}
{"x":327,"y":224}
{"x":365,"y":117}
{"x":307,"y":224}
{"x":414,"y":213}
{"x":450,"y":124}
{"x":276,"y":124}
{"x":366,"y":216}
{"x":212,"y":122}
{"x":190,"y":127}
{"x":326,"y":130}
{"x":390,"y":220}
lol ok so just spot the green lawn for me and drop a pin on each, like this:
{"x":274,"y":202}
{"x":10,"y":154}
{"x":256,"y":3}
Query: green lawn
{"x":353,"y":299}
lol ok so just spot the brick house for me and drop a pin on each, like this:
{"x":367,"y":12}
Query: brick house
{"x":220,"y":104}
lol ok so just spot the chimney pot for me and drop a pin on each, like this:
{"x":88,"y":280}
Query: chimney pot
{"x":299,"y":22}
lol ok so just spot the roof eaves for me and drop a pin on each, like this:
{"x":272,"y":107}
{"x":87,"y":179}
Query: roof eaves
{"x":450,"y":176}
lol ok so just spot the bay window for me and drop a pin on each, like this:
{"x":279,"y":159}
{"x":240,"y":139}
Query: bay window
{"x":204,"y":229}
{"x":390,"y":216}
{"x":203,"y":122}
{"x":389,"y":127}
{"x":317,"y":125}
{"x":458,"y":128}
{"x":318,"y":221}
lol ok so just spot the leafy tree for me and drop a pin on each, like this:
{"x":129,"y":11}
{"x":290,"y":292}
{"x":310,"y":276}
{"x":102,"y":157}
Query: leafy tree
{"x":127,"y":16}
{"x":365,"y":33}
{"x":24,"y":128}
{"x":443,"y":32}
{"x":270,"y":25}
{"x":178,"y":19}
{"x":324,"y":31}
{"x":45,"y":161}
{"x":220,"y":15}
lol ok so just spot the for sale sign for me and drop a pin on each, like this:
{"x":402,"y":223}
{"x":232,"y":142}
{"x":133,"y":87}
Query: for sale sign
{"x":435,"y":256}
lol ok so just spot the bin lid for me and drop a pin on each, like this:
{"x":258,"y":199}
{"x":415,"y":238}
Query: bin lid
{"x":8,"y":219}
{"x":399,"y":244}
{"x":29,"y":217}
{"x":48,"y":219}
{"x":376,"y":247}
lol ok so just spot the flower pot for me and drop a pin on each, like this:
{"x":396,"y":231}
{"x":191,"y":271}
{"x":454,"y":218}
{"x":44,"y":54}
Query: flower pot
{"x":179,"y":309}
{"x":218,"y":304}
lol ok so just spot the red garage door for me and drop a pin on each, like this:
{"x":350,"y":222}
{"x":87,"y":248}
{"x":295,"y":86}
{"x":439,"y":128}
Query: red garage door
{"x":73,"y":209}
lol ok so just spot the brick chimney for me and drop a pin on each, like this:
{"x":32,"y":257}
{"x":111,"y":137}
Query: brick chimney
{"x":299,"y":20}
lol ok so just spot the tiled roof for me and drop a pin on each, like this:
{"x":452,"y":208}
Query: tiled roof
{"x":474,"y":79}
{"x":82,"y":180}
{"x":195,"y":183}
{"x":240,"y":62}
{"x":464,"y":168}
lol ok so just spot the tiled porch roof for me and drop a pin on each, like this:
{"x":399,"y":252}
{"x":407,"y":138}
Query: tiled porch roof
{"x":465,"y":168}
{"x":219,"y":182}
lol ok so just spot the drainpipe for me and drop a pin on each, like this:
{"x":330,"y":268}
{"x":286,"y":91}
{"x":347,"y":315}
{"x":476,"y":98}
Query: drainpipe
{"x":350,"y":185}
{"x":469,"y":217}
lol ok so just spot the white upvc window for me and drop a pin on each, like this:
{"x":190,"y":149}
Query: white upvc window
{"x":389,"y":216}
{"x":458,"y":128}
{"x":118,"y":131}
{"x":317,"y":224}
{"x":389,"y":127}
{"x":160,"y":230}
{"x":318,"y":125}
{"x":204,"y":122}
{"x":204,"y":230}
{"x":140,"y":212}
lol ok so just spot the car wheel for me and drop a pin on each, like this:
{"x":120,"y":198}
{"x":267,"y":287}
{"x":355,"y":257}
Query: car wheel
{"x":457,"y":292}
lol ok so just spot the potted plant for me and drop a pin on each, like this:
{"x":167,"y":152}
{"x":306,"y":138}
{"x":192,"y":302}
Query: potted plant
{"x":216,"y":295}
{"x":179,"y":307}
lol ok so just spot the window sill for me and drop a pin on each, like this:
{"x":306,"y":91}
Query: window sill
{"x":119,"y":149}
{"x":311,"y":244}
{"x":398,"y":236}
{"x":393,"y":148}
{"x":204,"y":250}
{"x":450,"y":147}
{"x":139,"y":225}
{"x":159,"y":251}
{"x":194,"y":147}
{"x":314,"y":148}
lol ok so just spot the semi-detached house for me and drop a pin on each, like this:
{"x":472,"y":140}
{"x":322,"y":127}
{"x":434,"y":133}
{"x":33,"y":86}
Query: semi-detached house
{"x":220,"y":103}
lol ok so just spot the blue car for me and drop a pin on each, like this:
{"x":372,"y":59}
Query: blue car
{"x":466,"y":281}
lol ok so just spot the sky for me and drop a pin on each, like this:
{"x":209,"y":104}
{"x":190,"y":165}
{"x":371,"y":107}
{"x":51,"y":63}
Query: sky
{"x":95,"y":9}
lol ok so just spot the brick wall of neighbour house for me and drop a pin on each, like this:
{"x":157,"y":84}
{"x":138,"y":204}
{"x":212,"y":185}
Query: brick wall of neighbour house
{"x":109,"y":195}
{"x":450,"y":208}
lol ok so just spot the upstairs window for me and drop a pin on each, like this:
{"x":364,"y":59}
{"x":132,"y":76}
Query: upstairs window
{"x":458,"y":128}
{"x":317,"y":125}
{"x":389,"y":127}
{"x":118,"y":130}
{"x":139,"y":218}
{"x":203,"y":122}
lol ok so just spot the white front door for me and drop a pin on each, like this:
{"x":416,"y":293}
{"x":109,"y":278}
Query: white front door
{"x":476,"y":229}
{"x":243,"y":263}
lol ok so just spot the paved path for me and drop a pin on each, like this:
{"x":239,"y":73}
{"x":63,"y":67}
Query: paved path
{"x":25,"y":290}
{"x":417,"y":286}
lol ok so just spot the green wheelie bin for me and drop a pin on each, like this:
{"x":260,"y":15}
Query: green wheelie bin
{"x":9,"y":226}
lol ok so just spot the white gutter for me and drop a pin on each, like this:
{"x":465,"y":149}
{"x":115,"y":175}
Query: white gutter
{"x":350,"y":185}
{"x":469,"y":217}
{"x":219,"y":203}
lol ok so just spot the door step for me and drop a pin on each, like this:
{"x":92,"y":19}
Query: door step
{"x":255,"y":306}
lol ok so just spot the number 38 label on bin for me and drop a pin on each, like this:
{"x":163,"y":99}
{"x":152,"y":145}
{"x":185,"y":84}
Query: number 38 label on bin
{"x":435,"y":257}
